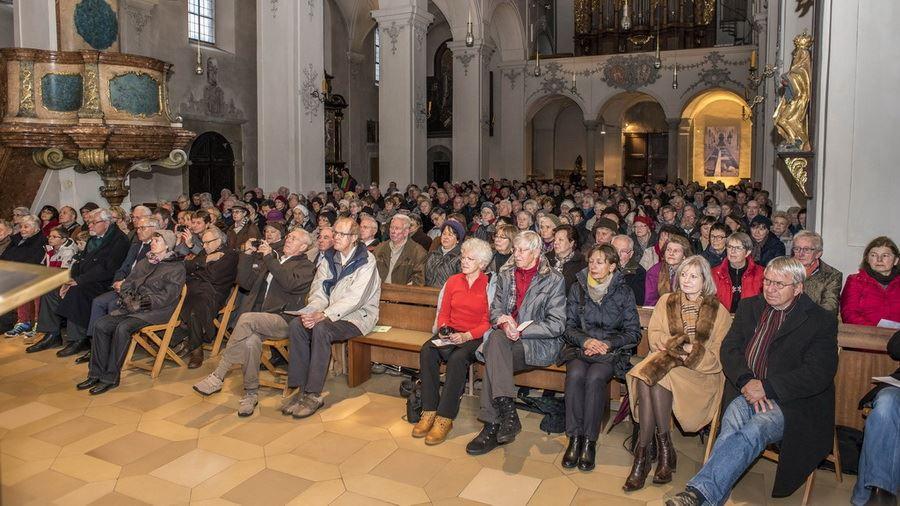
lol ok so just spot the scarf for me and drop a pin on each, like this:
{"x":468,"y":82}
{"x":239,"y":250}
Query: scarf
{"x":238,"y":225}
{"x":523,"y":279}
{"x":881,"y":278}
{"x":560,"y":262}
{"x":757,"y":350}
{"x":597,"y":289}
{"x":154,"y":259}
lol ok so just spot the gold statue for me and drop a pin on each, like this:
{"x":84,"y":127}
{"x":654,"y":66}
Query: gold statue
{"x":791,"y":114}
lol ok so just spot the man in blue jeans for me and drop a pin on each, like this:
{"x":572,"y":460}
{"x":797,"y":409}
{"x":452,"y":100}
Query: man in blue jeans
{"x":779,"y":360}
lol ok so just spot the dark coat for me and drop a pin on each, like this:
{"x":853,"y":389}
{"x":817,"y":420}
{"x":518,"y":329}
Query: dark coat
{"x":131,"y":260}
{"x":29,"y":251}
{"x":571,"y":268}
{"x":772,"y":248}
{"x":614,"y":320}
{"x":439,"y":266}
{"x":410,"y":267}
{"x":802,"y":362}
{"x":158,"y":286}
{"x":636,"y":279}
{"x":287,"y":291}
{"x":714,"y":258}
{"x":93,"y":272}
{"x":209,"y":284}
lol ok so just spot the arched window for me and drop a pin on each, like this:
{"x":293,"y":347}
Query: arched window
{"x":202,"y":20}
{"x":377,"y":57}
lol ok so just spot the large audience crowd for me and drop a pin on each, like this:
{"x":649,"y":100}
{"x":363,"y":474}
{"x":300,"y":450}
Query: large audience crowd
{"x":531,"y":274}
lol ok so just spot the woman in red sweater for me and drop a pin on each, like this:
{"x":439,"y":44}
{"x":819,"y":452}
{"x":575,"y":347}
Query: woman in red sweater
{"x":462,"y":321}
{"x":738,"y":277}
{"x":873,"y":293}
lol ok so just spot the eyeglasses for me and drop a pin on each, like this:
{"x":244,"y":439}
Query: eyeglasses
{"x":804,"y":250}
{"x":342,"y":234}
{"x":142,"y":227}
{"x":777,"y":284}
{"x":211,"y":241}
{"x":718,"y":237}
{"x":732,"y":247}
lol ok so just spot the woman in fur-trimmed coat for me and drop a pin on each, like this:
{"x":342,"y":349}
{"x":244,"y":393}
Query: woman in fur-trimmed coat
{"x":682,"y":374}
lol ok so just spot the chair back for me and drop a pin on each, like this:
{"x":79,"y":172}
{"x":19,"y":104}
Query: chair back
{"x":176,"y":314}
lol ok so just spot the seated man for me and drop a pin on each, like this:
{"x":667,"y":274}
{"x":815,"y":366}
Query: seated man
{"x":823,"y":282}
{"x":274,"y":285}
{"x":779,"y":360}
{"x":343,"y":304}
{"x":400,"y":260}
{"x":189,"y":237}
{"x":635,"y":274}
{"x":527,"y":290}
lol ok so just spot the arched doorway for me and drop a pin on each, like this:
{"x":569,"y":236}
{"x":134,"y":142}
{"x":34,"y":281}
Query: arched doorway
{"x":556,"y":137}
{"x":440,"y":164}
{"x":211,"y":164}
{"x":721,"y":137}
{"x":635,"y":140}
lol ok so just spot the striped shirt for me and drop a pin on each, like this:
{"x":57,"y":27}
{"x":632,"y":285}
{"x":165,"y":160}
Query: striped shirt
{"x":757,"y":351}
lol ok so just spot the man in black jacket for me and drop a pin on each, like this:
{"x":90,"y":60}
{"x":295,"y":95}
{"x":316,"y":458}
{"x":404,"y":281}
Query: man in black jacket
{"x":274,"y":285}
{"x":91,"y":275}
{"x":779,"y":360}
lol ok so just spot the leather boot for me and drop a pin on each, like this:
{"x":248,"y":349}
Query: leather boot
{"x":639,"y":470}
{"x":667,"y":459}
{"x":196,"y":358}
{"x":424,"y":425}
{"x":588,"y":456}
{"x":439,"y":431}
{"x":510,"y":425}
{"x":573,"y":451}
{"x":485,"y":441}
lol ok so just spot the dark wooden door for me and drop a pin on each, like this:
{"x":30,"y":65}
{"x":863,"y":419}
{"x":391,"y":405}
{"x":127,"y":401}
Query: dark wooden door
{"x":211,"y":164}
{"x":645,"y":157}
{"x":442,"y":172}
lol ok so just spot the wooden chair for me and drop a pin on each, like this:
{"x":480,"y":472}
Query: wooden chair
{"x":157,"y":347}
{"x":771,"y":453}
{"x":279,"y":377}
{"x":221,"y":324}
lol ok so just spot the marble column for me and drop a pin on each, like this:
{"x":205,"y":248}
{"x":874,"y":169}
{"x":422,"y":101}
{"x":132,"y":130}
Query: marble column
{"x":402,"y":98}
{"x":470,"y":89}
{"x":674,"y":130}
{"x":355,"y":119}
{"x":590,"y":127}
{"x":511,"y":83}
{"x":34,"y":24}
{"x":613,"y":165}
{"x":290,"y":46}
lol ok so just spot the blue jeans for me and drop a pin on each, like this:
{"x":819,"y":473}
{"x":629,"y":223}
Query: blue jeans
{"x":879,"y":462}
{"x":743,"y":436}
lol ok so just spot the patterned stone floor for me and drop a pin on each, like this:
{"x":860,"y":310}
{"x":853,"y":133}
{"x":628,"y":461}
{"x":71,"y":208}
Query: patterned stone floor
{"x":161,"y":443}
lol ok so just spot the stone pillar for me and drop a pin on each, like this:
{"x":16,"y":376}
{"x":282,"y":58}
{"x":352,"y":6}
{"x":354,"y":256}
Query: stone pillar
{"x":590,"y":127}
{"x":34,"y":24}
{"x":290,"y":41}
{"x":613,"y":166}
{"x":402,"y":98}
{"x":674,"y":130}
{"x":470,"y":98}
{"x":510,"y":81}
{"x":355,"y":118}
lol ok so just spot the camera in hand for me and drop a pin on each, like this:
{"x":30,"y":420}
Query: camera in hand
{"x":180,"y":228}
{"x":445,"y":331}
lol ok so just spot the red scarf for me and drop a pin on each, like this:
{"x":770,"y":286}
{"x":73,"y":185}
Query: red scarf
{"x":523,"y":279}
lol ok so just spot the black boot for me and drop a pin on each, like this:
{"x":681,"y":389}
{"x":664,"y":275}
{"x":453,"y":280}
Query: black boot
{"x":51,"y":340}
{"x":485,"y":441}
{"x":881,"y":497}
{"x":74,"y":347}
{"x":510,"y":425}
{"x":587,"y":457}
{"x":639,"y":470}
{"x":570,"y":458}
{"x":666,"y":463}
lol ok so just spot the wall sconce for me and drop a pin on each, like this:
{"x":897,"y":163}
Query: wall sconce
{"x":198,"y":69}
{"x":626,"y":17}
{"x":675,"y":76}
{"x":574,"y":88}
{"x":657,"y":63}
{"x":537,"y":65}
{"x":426,"y":111}
{"x":755,"y":79}
{"x":470,"y":35}
{"x":323,"y":95}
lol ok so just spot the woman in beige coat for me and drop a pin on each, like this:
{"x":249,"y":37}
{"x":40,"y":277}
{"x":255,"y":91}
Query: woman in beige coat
{"x":681,"y":372}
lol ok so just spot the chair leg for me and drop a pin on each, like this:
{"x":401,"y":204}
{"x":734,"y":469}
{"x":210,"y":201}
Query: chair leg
{"x":807,"y":492}
{"x":836,"y":453}
{"x":711,"y":439}
{"x":128,"y":356}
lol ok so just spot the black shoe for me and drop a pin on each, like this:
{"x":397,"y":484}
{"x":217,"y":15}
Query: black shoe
{"x":88,"y":383}
{"x":100,"y":388}
{"x":74,"y":347}
{"x":52,"y":340}
{"x":881,"y":497}
{"x":690,"y":497}
{"x":84,"y":358}
{"x":588,"y":454}
{"x":485,"y":441}
{"x":570,"y":458}
{"x":510,"y":425}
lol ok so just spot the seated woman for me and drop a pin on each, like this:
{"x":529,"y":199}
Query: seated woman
{"x":147,"y":297}
{"x":503,"y":246}
{"x":243,"y":229}
{"x":682,"y":371}
{"x":464,"y":314}
{"x":738,"y":277}
{"x":601,"y":318}
{"x":444,"y":261}
{"x":873,"y":294}
{"x":661,"y":277}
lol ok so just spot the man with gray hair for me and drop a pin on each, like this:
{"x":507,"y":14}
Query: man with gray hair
{"x":400,"y":261}
{"x":274,"y":285}
{"x":779,"y":360}
{"x":527,"y":316}
{"x":823,"y":282}
{"x":91,"y":275}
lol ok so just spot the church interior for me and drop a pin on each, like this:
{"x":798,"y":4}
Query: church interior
{"x":131,"y":104}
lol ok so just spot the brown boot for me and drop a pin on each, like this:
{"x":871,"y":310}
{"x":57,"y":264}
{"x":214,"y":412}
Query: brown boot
{"x":639,"y":470}
{"x":665,"y":465}
{"x":438,"y":433}
{"x":425,"y":423}
{"x":196,"y":358}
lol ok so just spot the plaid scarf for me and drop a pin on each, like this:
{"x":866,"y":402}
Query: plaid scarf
{"x":757,"y":350}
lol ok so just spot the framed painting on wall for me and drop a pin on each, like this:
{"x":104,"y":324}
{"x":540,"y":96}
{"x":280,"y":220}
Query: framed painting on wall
{"x":722,"y":151}
{"x":87,"y":25}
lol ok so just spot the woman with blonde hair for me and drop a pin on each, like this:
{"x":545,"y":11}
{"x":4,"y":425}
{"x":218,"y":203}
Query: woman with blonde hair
{"x":682,"y":374}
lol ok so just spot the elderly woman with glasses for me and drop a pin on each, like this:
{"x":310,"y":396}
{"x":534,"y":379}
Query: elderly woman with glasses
{"x":462,"y":321}
{"x":738,"y":277}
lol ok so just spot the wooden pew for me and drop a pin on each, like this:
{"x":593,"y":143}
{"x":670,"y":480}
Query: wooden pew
{"x":863,"y":354}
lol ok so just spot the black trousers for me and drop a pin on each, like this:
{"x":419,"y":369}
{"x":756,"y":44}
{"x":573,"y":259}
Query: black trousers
{"x":311,"y":351}
{"x":51,"y":323}
{"x":112,"y":336}
{"x":587,"y":384}
{"x":198,"y":314}
{"x":458,"y":358}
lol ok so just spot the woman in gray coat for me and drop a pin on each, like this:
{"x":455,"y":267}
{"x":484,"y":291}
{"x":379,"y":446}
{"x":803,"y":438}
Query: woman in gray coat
{"x":443,"y":262}
{"x":148,"y":296}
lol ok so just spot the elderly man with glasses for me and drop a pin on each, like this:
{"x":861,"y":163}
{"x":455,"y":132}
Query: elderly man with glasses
{"x":779,"y":360}
{"x":823,"y":282}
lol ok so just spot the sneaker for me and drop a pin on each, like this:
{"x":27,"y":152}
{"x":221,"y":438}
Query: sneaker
{"x":247,"y":404}
{"x":287,"y":405}
{"x":19,"y":329}
{"x":209,"y":385}
{"x":308,"y":405}
{"x":690,"y":497}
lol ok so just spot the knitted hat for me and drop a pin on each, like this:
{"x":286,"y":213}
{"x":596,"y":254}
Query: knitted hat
{"x":277,"y":226}
{"x":553,"y":218}
{"x":606,"y":223}
{"x":646,"y":220}
{"x":274,"y":215}
{"x":458,"y":229}
{"x":761,"y":220}
{"x":167,"y":236}
{"x":488,"y":205}
{"x":242,"y":206}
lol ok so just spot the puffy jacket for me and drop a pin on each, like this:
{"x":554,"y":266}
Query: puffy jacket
{"x":865,"y":301}
{"x":614,"y":320}
{"x":157,"y":287}
{"x":751,"y":281}
{"x":439,"y":266}
{"x":354,"y":296}
{"x":62,"y":257}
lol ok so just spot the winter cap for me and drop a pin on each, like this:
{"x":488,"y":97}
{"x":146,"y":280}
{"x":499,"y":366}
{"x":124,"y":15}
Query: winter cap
{"x":167,"y":236}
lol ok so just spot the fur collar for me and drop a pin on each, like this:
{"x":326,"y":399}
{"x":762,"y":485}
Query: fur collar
{"x":706,"y":320}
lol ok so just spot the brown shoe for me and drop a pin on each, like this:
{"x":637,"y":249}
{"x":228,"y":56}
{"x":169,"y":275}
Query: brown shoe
{"x":425,"y":423}
{"x":639,"y":470}
{"x":196,"y":358}
{"x":438,"y":433}
{"x":665,"y":466}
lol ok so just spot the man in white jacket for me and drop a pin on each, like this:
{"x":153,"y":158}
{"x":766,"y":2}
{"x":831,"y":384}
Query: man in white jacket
{"x":343,"y":304}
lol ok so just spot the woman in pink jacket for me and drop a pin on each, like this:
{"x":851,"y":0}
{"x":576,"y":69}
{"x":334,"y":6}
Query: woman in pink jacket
{"x":873,"y":293}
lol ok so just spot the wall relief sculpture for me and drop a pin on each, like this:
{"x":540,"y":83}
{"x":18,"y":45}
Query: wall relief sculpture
{"x":212,"y":102}
{"x":629,"y":72}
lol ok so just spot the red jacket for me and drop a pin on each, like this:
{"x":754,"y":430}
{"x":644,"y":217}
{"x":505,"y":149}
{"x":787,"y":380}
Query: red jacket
{"x":865,"y":302}
{"x":751,"y":281}
{"x":463,"y":308}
